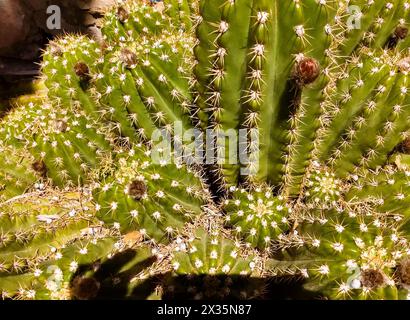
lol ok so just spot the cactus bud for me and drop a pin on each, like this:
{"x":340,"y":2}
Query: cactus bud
{"x":82,"y":71}
{"x":40,"y":167}
{"x":400,"y":33}
{"x":307,"y":70}
{"x":56,"y":49}
{"x":137,"y":189}
{"x":372,"y":278}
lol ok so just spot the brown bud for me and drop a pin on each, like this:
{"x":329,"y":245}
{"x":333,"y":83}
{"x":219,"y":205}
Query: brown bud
{"x":40,"y":167}
{"x":60,"y":126}
{"x":401,"y":32}
{"x":137,"y":189}
{"x":122,"y":14}
{"x":128,"y":57}
{"x":372,"y":278}
{"x":82,"y":71}
{"x":307,"y":70}
{"x":84,"y":288}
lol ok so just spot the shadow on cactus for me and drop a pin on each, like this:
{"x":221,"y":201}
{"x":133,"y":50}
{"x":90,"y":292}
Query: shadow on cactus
{"x":117,"y":277}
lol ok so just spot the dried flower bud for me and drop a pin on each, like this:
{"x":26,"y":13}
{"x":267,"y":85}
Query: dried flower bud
{"x":372,"y":278}
{"x":82,"y":71}
{"x":307,"y":70}
{"x":40,"y":167}
{"x":55,"y":49}
{"x":401,"y":32}
{"x":137,"y":189}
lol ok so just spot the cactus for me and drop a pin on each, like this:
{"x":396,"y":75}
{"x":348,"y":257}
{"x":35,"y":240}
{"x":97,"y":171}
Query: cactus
{"x":257,"y":216}
{"x":53,"y":247}
{"x":46,"y":234}
{"x":381,"y":110}
{"x":138,"y":71}
{"x":213,"y":268}
{"x":65,"y":146}
{"x":16,"y":174}
{"x":153,"y":197}
{"x":248,"y":77}
{"x":354,"y":255}
{"x":249,"y":63}
{"x":324,"y":195}
{"x":118,"y":275}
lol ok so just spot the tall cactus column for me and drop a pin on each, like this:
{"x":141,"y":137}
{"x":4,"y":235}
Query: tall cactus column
{"x":250,"y":76}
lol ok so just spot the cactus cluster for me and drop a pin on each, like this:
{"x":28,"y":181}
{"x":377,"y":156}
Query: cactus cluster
{"x":100,"y":195}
